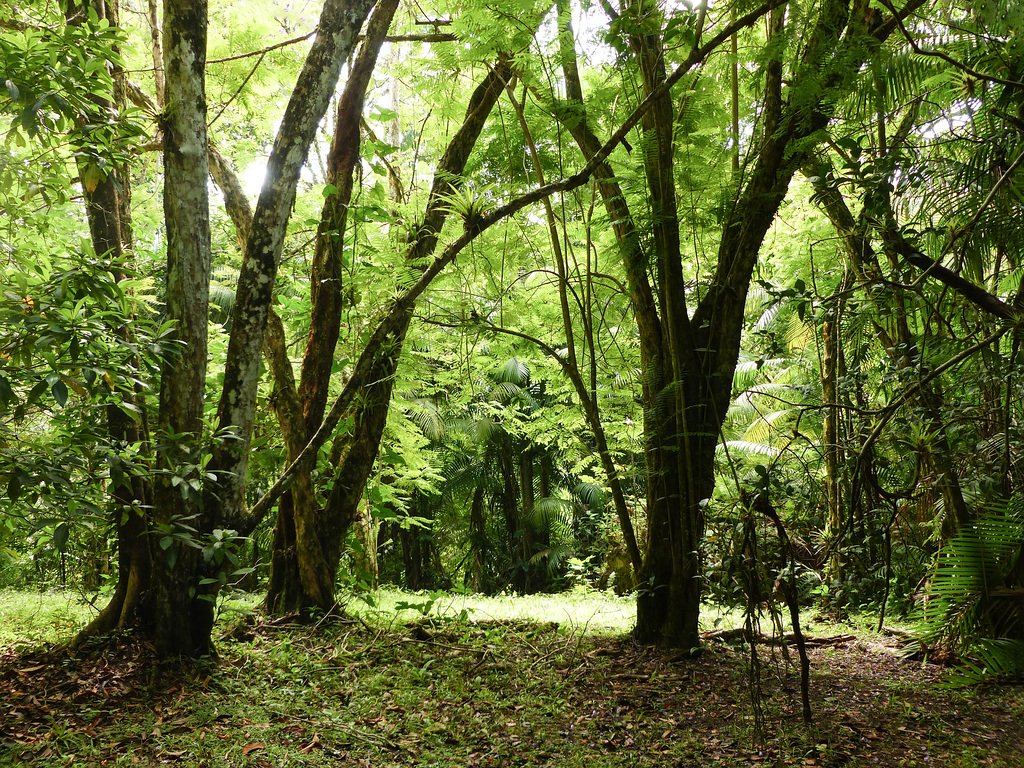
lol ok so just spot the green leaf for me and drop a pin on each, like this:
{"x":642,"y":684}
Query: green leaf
{"x":60,"y":537}
{"x":14,"y":487}
{"x":7,"y":396}
{"x":36,"y":391}
{"x":60,"y":392}
{"x":131,"y":411}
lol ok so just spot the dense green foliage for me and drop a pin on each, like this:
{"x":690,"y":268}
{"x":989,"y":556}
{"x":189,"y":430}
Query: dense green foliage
{"x":871,"y":455}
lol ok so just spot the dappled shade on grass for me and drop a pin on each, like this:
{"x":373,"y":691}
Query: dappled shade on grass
{"x":494,"y":693}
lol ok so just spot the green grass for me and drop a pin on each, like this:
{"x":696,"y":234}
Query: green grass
{"x":32,"y":618}
{"x":589,"y":612}
{"x":472,"y":681}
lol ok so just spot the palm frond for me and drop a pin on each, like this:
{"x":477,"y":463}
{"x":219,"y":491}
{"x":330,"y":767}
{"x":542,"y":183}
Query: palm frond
{"x":222,"y":304}
{"x":593,"y":495}
{"x":997,"y":659}
{"x":762,"y":429}
{"x":967,"y":596}
{"x":551,"y":513}
{"x":515,"y":371}
{"x":746,"y":448}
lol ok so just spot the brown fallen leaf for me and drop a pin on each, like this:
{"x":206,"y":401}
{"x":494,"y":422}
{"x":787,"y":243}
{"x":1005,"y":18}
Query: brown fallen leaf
{"x":252,"y":747}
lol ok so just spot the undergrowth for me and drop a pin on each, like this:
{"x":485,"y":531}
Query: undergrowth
{"x":468,"y":681}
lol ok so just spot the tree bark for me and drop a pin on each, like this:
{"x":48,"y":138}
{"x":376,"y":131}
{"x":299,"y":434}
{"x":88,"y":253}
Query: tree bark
{"x":357,"y":449}
{"x":109,"y":215}
{"x":337,"y":33}
{"x":181,"y":621}
{"x":303,"y":573}
{"x":478,"y":544}
{"x":688,"y":364}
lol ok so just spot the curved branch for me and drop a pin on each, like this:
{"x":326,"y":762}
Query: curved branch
{"x":392,"y":320}
{"x":898,"y":18}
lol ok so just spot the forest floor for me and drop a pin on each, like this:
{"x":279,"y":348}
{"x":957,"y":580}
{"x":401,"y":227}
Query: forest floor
{"x":495,"y":693}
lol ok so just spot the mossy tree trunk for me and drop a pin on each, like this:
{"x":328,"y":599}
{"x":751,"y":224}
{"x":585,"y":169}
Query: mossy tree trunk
{"x":321,"y":531}
{"x":181,"y":620}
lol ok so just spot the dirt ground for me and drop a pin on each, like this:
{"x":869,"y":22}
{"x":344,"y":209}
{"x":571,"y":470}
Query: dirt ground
{"x":495,"y":696}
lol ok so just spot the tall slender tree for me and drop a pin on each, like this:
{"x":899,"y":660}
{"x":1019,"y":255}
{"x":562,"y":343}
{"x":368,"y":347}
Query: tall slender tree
{"x":689,"y":354}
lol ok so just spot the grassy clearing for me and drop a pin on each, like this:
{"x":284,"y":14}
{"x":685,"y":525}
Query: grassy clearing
{"x":29,"y":619}
{"x":585,"y":612}
{"x":544,"y":681}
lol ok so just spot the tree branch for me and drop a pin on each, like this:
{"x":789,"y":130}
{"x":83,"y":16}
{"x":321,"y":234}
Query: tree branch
{"x":401,"y":304}
{"x":897,"y":17}
{"x":977,"y":296}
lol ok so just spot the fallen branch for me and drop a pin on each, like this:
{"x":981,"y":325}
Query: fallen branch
{"x":740,"y":633}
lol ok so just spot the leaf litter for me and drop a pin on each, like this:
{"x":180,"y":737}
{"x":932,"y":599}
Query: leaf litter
{"x":492,"y":694}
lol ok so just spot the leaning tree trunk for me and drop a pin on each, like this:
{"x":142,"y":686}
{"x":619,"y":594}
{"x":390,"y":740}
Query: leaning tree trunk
{"x":337,"y":34}
{"x":355,"y":452}
{"x":834,"y":456}
{"x":301,"y":577}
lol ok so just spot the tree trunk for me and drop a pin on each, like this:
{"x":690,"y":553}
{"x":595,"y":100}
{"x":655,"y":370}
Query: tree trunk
{"x":834,"y":457}
{"x":327,"y":295}
{"x":688,"y":364}
{"x":338,"y":30}
{"x":354,"y":453}
{"x":180,"y":620}
{"x":509,"y":501}
{"x":534,"y":532}
{"x":109,"y":215}
{"x":365,"y":554}
{"x":478,"y":544}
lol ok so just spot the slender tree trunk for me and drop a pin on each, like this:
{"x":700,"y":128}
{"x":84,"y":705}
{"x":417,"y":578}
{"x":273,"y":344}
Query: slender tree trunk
{"x":181,"y":621}
{"x":570,"y":362}
{"x":834,"y":520}
{"x":899,"y":341}
{"x":533,"y":529}
{"x":354,"y":452}
{"x":338,"y":30}
{"x":413,"y":559}
{"x":109,"y":214}
{"x":477,"y":542}
{"x":509,"y":503}
{"x":366,"y":555}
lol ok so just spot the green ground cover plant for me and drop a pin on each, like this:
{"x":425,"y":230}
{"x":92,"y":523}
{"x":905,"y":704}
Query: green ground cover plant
{"x":544,"y":681}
